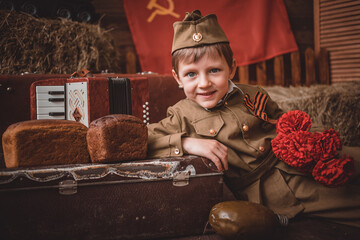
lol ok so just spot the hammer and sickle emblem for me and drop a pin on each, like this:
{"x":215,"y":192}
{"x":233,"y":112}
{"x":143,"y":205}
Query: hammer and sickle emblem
{"x":161,"y":10}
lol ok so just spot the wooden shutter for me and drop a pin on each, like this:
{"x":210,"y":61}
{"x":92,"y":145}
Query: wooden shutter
{"x":337,"y":29}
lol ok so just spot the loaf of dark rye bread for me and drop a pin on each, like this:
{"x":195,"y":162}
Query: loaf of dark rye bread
{"x":117,"y":137}
{"x":45,"y":142}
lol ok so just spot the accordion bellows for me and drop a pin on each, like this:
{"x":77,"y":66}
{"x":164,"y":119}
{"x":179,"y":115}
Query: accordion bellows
{"x":45,"y":142}
{"x":117,"y":137}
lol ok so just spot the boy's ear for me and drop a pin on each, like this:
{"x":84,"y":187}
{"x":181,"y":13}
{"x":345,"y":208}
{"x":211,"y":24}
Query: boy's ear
{"x":233,"y":69}
{"x":177,"y":78}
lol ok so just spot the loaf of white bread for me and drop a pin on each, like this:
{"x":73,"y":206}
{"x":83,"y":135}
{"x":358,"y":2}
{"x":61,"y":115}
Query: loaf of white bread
{"x":45,"y":142}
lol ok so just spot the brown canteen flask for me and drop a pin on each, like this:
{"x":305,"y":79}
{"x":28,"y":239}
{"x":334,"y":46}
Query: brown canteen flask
{"x":244,"y":220}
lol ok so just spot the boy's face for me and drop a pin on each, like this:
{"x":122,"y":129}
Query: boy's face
{"x":205,"y":81}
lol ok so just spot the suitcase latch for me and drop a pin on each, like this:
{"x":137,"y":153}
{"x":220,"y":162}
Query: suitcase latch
{"x":68,"y":187}
{"x":181,"y":179}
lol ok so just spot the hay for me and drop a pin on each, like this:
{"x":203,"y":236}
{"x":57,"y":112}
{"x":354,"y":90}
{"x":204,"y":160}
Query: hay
{"x":332,"y":106}
{"x":57,"y":46}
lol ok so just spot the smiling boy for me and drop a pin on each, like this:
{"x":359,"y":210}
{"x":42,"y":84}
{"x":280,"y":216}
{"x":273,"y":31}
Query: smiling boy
{"x":233,"y":126}
{"x":205,"y":82}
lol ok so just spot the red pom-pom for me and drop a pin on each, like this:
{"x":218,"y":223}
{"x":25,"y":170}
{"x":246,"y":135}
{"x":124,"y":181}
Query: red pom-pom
{"x":293,"y":121}
{"x":334,"y":172}
{"x":312,"y":153}
{"x":297,"y":149}
{"x":328,"y":143}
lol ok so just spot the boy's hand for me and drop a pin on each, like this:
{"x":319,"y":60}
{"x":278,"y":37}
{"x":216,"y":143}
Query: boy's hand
{"x":209,"y":148}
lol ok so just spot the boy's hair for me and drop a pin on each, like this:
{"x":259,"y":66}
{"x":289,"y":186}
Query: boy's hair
{"x":194,"y":54}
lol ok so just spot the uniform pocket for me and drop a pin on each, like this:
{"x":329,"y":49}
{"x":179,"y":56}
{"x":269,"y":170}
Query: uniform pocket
{"x":209,"y":126}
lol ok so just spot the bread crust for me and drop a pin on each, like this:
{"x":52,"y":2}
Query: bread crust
{"x":45,"y":142}
{"x":117,"y":137}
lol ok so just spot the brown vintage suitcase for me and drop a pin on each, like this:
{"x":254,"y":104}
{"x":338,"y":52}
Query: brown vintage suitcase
{"x":148,"y":199}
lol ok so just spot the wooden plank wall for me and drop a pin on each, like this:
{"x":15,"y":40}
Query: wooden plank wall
{"x":337,"y":29}
{"x":273,"y":71}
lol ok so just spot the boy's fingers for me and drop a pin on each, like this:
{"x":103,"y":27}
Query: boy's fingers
{"x":225,"y":163}
{"x":211,"y":149}
{"x":223,"y":156}
{"x":223,"y":147}
{"x":217,"y":162}
{"x":220,"y":160}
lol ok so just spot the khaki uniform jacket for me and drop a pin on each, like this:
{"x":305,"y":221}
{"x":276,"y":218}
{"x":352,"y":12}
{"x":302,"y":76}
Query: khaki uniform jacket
{"x":247,"y":137}
{"x":231,"y":123}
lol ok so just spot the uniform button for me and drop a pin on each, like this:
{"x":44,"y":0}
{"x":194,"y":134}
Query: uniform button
{"x":212,"y":131}
{"x":261,"y":148}
{"x":245,"y":128}
{"x":176,"y":151}
{"x":226,"y":103}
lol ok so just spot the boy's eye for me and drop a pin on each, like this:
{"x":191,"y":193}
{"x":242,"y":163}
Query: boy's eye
{"x":190,"y":74}
{"x":214,"y":70}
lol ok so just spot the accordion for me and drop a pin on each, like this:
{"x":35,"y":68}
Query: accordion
{"x":88,"y":98}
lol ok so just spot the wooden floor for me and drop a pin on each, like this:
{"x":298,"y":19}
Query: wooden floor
{"x":301,"y":229}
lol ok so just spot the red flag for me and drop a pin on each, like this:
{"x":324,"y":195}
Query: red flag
{"x":257,"y":29}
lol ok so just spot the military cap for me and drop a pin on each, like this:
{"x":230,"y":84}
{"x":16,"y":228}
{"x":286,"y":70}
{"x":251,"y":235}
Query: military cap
{"x":196,"y":30}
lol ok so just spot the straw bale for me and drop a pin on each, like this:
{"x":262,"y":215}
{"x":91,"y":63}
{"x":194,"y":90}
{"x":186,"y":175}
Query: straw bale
{"x":57,"y":46}
{"x":331,"y":106}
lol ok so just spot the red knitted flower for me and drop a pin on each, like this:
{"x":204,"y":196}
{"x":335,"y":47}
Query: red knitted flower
{"x":318,"y":149}
{"x":334,"y":172}
{"x":297,"y":149}
{"x":312,"y":153}
{"x":328,"y":143}
{"x":293,"y":121}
